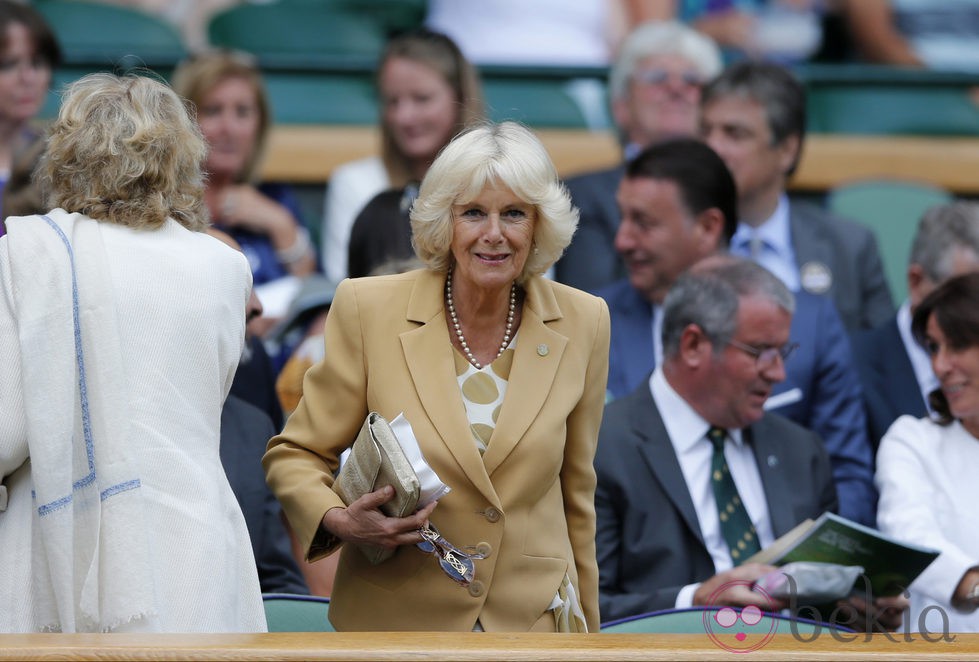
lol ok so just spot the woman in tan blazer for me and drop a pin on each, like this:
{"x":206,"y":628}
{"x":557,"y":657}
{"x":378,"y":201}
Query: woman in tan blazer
{"x":505,"y":402}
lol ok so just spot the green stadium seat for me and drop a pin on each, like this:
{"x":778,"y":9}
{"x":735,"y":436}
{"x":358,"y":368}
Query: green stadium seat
{"x":880,"y":100}
{"x":100,"y":34}
{"x":536,"y":102}
{"x":892,"y":209}
{"x":879,"y":110}
{"x":300,"y":30}
{"x":297,"y":613}
{"x":393,"y":16}
{"x":335,"y":98}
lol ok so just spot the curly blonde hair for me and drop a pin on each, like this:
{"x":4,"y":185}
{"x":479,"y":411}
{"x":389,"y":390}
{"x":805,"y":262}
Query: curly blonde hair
{"x":125,"y":150}
{"x":509,"y":154}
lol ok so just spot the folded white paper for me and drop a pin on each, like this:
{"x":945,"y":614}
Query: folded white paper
{"x":782,"y":399}
{"x":432,"y":487}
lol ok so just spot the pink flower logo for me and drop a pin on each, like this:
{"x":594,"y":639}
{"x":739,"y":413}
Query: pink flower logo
{"x":740,"y":631}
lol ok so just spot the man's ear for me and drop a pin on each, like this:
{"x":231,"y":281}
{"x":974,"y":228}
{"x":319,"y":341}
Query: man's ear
{"x":695,"y":348}
{"x":710,"y":229}
{"x":789,"y":152}
{"x":919,"y":285}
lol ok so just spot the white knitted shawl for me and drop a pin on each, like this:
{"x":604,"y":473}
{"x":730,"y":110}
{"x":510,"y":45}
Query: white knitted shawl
{"x":90,"y":567}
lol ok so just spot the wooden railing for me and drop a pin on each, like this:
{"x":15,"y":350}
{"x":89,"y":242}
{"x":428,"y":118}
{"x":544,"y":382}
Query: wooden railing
{"x":308,"y":154}
{"x":472,"y":647}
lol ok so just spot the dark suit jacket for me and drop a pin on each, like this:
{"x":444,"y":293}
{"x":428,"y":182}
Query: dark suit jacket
{"x":649,"y":542}
{"x":890,"y":387}
{"x":245,"y":430}
{"x":849,"y":250}
{"x":822,"y":369}
{"x":255,"y":382}
{"x":591,"y":261}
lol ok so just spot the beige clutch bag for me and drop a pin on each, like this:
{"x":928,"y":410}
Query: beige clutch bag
{"x":377,"y":459}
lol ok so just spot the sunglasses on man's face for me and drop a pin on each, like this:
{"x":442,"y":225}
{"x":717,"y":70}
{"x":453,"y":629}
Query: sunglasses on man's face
{"x":457,"y":564}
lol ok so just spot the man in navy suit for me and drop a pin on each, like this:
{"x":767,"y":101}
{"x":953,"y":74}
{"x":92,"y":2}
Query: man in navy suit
{"x":661,"y":540}
{"x":654,"y":87}
{"x":679,"y":205}
{"x":754,"y":116}
{"x":895,"y":371}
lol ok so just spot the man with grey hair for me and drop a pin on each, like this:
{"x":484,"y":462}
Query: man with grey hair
{"x":654,"y":86}
{"x":896,"y":372}
{"x":684,"y":499}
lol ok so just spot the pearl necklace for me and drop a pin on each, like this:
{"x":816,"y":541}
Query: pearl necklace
{"x":458,"y":327}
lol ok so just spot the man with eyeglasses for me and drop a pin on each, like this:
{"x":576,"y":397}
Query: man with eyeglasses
{"x":654,"y":86}
{"x":694,"y":476}
{"x":678,"y":205}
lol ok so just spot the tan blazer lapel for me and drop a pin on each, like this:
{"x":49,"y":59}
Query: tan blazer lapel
{"x":535,"y":363}
{"x":428,"y":355}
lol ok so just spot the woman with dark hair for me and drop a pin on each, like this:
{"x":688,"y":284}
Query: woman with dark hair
{"x":428,"y":92}
{"x":28,"y":51}
{"x":926,"y":468}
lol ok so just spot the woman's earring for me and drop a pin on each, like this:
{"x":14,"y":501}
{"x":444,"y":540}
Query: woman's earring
{"x":536,"y":250}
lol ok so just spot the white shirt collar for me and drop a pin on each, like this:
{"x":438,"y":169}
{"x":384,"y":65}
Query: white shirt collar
{"x":920,"y":361}
{"x":776,"y":233}
{"x":684,"y":425}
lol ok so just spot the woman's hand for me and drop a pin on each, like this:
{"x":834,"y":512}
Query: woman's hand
{"x":965,"y":598}
{"x":244,"y":206}
{"x":363,"y":522}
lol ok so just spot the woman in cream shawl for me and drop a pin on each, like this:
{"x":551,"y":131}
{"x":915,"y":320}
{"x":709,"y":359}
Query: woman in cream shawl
{"x":122,"y":324}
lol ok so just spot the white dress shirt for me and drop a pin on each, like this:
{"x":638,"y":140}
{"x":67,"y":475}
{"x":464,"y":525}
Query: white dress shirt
{"x":774,"y":241}
{"x":688,"y":434}
{"x":657,"y":323}
{"x":920,"y":361}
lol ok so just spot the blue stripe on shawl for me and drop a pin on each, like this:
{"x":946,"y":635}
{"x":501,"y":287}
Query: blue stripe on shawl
{"x":57,"y":504}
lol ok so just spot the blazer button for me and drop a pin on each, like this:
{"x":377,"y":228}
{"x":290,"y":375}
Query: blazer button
{"x":492,"y":515}
{"x":477,"y":588}
{"x":484,"y":549}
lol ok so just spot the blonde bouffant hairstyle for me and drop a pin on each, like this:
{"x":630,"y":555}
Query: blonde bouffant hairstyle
{"x":507,"y":154}
{"x":125,"y":150}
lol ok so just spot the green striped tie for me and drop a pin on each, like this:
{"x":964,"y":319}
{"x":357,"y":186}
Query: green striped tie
{"x":736,"y":527}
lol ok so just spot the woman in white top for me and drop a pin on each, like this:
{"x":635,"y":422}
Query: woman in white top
{"x":122,"y":324}
{"x":926,"y":469}
{"x":428,"y":93}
